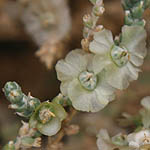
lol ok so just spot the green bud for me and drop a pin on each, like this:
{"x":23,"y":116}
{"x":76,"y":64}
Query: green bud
{"x":13,"y":92}
{"x":134,"y":11}
{"x":98,"y":10}
{"x":24,"y":105}
{"x":9,"y":86}
{"x":29,"y":105}
{"x":62,"y":100}
{"x":137,"y":12}
{"x":87,"y":20}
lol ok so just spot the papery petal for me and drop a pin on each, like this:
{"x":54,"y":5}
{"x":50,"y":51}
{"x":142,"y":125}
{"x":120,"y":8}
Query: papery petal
{"x":117,"y":77}
{"x":74,"y":63}
{"x":145,"y":102}
{"x":76,"y":58}
{"x":100,"y":62}
{"x":134,"y":39}
{"x":133,"y":72}
{"x":50,"y":128}
{"x":64,"y":87}
{"x":103,"y":133}
{"x":106,"y":91}
{"x":137,"y":61}
{"x":65,"y":71}
{"x":104,"y":37}
{"x":102,"y":42}
{"x":59,"y":111}
{"x":99,"y":48}
{"x":83,"y":99}
{"x":137,"y":139}
{"x":102,"y":145}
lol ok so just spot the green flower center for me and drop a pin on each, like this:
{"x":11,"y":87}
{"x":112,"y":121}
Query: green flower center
{"x":46,"y":115}
{"x":120,"y":56}
{"x":88,"y":80}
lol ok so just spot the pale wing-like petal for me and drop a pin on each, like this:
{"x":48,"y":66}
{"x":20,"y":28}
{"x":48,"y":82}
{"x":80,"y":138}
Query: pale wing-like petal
{"x":102,"y":42}
{"x":64,"y":87}
{"x":102,"y":145}
{"x":117,"y":77}
{"x":104,"y":37}
{"x":74,"y":63}
{"x":82,"y":99}
{"x":65,"y":71}
{"x":59,"y":111}
{"x":76,"y":58}
{"x":105,"y":90}
{"x":100,"y":62}
{"x":99,"y":48}
{"x":146,"y":102}
{"x":134,"y":39}
{"x":103,"y":133}
{"x":137,"y":61}
{"x":133,"y":72}
{"x":50,"y":128}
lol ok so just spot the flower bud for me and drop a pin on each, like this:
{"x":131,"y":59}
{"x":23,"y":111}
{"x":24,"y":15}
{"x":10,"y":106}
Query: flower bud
{"x":85,"y":44}
{"x":24,"y":105}
{"x":99,"y":28}
{"x":98,"y":10}
{"x":87,"y":20}
{"x":13,"y":92}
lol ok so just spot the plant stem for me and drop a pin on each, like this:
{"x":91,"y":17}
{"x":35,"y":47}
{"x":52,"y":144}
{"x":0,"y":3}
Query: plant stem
{"x":62,"y":132}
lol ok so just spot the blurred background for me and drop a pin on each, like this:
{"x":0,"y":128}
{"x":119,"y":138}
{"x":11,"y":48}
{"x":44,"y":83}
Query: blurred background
{"x":18,"y":62}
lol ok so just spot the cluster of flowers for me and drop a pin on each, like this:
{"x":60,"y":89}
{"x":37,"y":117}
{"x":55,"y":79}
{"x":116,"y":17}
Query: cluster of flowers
{"x":44,"y":118}
{"x":91,"y":78}
{"x":138,"y":140}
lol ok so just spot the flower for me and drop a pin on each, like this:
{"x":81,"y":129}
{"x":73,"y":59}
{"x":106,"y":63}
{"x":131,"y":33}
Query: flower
{"x":105,"y":142}
{"x":139,"y":140}
{"x":46,"y":20}
{"x":47,"y":118}
{"x":121,"y":61}
{"x":86,"y":88}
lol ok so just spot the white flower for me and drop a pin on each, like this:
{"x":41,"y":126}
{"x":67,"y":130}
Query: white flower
{"x":140,"y":140}
{"x":105,"y":142}
{"x":86,"y":88}
{"x":121,"y":62}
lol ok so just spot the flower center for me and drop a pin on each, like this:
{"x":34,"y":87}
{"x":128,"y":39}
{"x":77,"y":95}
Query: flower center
{"x":45,"y":115}
{"x":120,"y":56}
{"x":88,"y":80}
{"x":145,"y":147}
